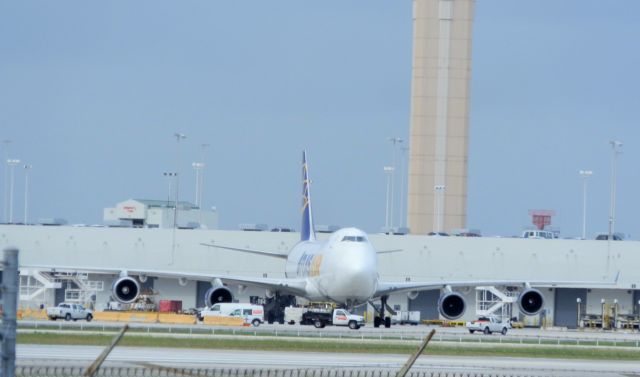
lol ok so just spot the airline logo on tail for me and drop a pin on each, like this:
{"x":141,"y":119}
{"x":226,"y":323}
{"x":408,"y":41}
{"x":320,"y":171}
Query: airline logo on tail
{"x":306,"y":229}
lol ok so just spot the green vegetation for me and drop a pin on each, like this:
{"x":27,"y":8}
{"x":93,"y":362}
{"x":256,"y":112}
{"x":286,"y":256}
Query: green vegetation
{"x":305,"y":345}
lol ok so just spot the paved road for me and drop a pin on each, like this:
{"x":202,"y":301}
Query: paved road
{"x":198,"y":358}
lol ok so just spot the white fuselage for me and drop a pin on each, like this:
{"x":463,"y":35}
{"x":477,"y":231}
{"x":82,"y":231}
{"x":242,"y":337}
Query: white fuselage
{"x":343,"y":269}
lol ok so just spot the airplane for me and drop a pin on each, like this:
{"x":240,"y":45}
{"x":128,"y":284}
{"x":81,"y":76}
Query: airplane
{"x":342,"y":269}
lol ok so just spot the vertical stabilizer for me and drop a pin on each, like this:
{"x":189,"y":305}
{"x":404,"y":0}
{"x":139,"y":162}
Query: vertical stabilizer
{"x":307,"y":233}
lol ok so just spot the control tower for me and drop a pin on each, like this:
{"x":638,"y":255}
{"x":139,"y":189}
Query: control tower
{"x":441,"y":75}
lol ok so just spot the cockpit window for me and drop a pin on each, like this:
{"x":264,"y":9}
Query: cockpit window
{"x":354,"y":239}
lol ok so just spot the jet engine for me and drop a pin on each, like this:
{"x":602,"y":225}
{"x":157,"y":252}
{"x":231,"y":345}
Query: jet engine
{"x":125,"y":289}
{"x":530,"y":301}
{"x":216,"y":294}
{"x":451,"y":305}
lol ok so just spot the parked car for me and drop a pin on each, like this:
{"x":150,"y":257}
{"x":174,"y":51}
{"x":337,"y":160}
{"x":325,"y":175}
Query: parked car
{"x":605,"y":237}
{"x":69,"y":311}
{"x":538,"y":234}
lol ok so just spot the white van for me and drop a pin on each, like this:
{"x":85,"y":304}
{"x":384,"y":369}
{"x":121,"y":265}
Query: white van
{"x":253,"y":314}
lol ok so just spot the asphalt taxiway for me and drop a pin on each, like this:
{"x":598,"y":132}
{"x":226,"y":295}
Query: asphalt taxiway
{"x":31,"y":354}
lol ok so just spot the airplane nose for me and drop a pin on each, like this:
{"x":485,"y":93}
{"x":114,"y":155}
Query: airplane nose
{"x":361,"y":282}
{"x":358,"y":275}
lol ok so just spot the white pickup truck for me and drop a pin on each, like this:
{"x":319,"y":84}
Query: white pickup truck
{"x":488,"y":325}
{"x":69,"y":312}
{"x":337,"y":317}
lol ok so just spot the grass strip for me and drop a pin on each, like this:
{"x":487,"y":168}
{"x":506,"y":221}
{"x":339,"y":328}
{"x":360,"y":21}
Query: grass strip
{"x":302,"y":345}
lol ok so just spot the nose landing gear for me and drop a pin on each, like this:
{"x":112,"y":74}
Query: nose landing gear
{"x":380,"y":318}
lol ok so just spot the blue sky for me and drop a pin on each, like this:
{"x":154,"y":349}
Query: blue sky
{"x":91,"y":94}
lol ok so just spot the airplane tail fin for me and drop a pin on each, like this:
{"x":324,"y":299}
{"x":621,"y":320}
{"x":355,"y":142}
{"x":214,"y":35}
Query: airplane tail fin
{"x":307,"y":232}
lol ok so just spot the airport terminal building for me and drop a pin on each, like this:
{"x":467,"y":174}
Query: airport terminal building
{"x":607,"y":271}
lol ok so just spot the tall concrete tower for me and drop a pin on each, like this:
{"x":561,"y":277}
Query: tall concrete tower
{"x":437,"y":198}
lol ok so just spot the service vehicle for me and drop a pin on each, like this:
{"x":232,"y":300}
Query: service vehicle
{"x":293,"y":314}
{"x":253,"y":314}
{"x":337,"y":317}
{"x":403,"y":317}
{"x":488,"y":325}
{"x":69,"y":311}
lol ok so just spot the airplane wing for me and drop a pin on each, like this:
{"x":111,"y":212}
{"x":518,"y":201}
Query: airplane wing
{"x":292,"y":286}
{"x":259,"y":252}
{"x":388,"y":287}
{"x":288,"y":285}
{"x":389,"y":251}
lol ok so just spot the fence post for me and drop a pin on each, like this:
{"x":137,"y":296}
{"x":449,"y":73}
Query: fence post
{"x":10,"y":306}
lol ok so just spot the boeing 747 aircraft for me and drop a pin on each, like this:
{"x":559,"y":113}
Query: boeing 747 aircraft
{"x":342,"y":269}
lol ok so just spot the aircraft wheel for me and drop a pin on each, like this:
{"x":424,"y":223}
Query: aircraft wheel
{"x":387,"y":322}
{"x":376,"y":322}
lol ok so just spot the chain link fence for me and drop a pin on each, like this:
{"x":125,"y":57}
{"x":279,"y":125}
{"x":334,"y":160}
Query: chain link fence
{"x":60,"y":371}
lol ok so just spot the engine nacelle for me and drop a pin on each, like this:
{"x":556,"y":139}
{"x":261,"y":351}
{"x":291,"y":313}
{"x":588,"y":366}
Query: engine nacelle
{"x":217,"y":294}
{"x":530,"y":301}
{"x":125,"y":289}
{"x":452,"y":305}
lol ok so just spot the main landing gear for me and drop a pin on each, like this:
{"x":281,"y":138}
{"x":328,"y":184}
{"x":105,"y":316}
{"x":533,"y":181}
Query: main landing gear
{"x":380,"y":318}
{"x":274,"y":307}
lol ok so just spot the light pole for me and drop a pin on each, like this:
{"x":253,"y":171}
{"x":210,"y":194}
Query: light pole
{"x":171,"y":179}
{"x":394,"y":142}
{"x":615,"y":151}
{"x":388,"y":170}
{"x":5,"y":204}
{"x":178,"y":137}
{"x":12,"y":163}
{"x":578,"y":301}
{"x":614,"y":314}
{"x":585,"y":174}
{"x":201,"y":189}
{"x":27,"y":168}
